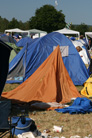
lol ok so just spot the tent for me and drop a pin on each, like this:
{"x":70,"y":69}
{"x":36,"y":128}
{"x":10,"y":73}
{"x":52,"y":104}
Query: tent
{"x":87,"y":89}
{"x":36,"y":32}
{"x":14,"y":51}
{"x":22,"y":42}
{"x":35,"y":53}
{"x":49,"y":83}
{"x":12,"y":55}
{"x":4,"y":63}
{"x":37,"y":35}
{"x":6,"y":38}
{"x":83,"y":53}
{"x":15,"y":30}
{"x":68,"y":32}
{"x":11,"y":42}
{"x":88,"y":34}
{"x":32,"y":32}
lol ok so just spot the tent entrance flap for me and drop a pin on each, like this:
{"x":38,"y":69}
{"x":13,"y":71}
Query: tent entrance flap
{"x":17,"y":73}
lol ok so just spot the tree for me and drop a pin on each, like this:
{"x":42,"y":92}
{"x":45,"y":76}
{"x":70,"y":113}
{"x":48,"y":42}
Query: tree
{"x":3,"y":24}
{"x":82,"y":28}
{"x":26,"y":25}
{"x":13,"y":24}
{"x":48,"y":19}
{"x":90,"y":29}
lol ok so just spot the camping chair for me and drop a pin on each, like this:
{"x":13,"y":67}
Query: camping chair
{"x":5,"y":114}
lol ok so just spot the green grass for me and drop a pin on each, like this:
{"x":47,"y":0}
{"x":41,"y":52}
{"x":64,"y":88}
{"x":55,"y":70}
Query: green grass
{"x":77,"y":124}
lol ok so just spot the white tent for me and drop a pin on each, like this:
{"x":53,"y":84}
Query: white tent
{"x":16,"y":30}
{"x":82,"y":53}
{"x":68,"y":31}
{"x":36,"y":32}
{"x":37,"y":35}
{"x":88,"y":34}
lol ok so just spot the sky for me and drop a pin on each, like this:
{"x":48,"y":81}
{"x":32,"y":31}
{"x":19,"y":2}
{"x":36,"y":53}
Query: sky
{"x":75,"y":11}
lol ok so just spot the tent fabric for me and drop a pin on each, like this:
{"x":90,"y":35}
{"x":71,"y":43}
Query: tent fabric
{"x":84,"y":56}
{"x":88,"y":34}
{"x":87,"y":89}
{"x":22,"y":42}
{"x":17,"y":67}
{"x":49,"y":83}
{"x":82,"y":41}
{"x":68,"y":31}
{"x":77,"y":43}
{"x":28,"y":32}
{"x":16,"y":30}
{"x":80,"y":105}
{"x":83,"y":53}
{"x":36,"y":52}
{"x":4,"y":63}
{"x":12,"y":55}
{"x":6,"y":38}
{"x":14,"y":51}
{"x":36,"y":31}
{"x":37,"y":35}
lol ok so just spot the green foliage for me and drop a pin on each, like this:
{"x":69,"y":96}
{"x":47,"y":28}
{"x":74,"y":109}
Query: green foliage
{"x":73,"y":27}
{"x":3,"y":24}
{"x":48,"y":19}
{"x":25,"y":26}
{"x":90,"y":29}
{"x":13,"y":24}
{"x":82,"y":28}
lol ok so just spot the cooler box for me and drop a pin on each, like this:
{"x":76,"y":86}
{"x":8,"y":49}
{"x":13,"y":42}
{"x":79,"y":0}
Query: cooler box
{"x":21,"y":127}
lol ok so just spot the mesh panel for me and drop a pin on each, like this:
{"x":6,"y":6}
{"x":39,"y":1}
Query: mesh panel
{"x":17,"y":73}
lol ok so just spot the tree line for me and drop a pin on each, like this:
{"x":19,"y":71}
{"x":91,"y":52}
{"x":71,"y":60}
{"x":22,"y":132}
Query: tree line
{"x":46,"y":18}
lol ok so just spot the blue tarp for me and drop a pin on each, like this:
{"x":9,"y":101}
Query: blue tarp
{"x":22,"y":42}
{"x":38,"y":50}
{"x":80,"y":105}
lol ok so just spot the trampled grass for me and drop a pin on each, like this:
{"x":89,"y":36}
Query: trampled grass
{"x":76,"y":124}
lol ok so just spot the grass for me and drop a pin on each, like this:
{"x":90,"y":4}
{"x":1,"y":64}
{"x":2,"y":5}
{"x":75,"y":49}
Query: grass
{"x":77,"y":124}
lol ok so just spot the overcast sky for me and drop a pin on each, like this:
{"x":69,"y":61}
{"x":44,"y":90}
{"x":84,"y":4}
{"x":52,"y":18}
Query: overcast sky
{"x":75,"y":11}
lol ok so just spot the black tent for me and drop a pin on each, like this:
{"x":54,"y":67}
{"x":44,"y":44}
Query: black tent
{"x":4,"y":63}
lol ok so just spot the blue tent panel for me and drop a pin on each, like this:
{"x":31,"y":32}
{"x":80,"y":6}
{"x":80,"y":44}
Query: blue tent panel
{"x":22,"y":42}
{"x":37,"y":52}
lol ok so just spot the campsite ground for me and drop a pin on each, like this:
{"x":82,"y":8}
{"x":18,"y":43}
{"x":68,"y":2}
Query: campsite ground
{"x":78,"y":124}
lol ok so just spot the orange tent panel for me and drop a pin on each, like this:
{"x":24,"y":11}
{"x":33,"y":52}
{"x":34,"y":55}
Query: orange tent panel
{"x":49,"y":83}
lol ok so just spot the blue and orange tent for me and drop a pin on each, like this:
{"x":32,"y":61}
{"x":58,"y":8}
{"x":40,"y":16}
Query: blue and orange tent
{"x":35,"y":53}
